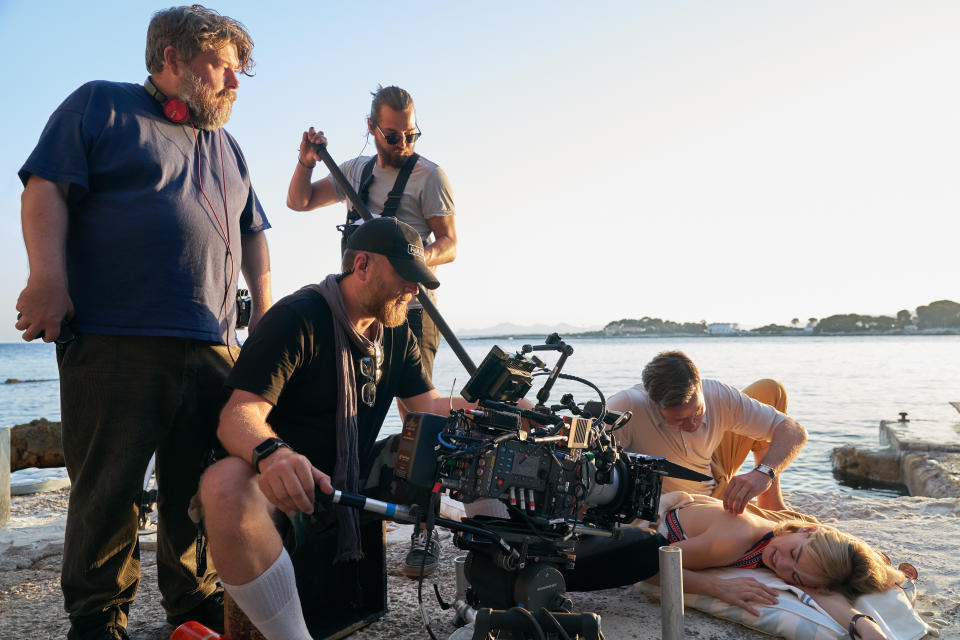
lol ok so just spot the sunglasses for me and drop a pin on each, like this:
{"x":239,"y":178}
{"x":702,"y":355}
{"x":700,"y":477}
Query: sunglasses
{"x":370,"y":369}
{"x":395,"y":138}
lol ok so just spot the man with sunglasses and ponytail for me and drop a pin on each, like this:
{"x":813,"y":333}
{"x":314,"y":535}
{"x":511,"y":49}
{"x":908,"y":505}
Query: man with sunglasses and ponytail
{"x":311,"y":388}
{"x":395,"y":182}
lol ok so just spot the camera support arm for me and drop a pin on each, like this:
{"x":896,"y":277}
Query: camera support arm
{"x":425,"y":301}
{"x":553,"y":343}
{"x":529,"y":414}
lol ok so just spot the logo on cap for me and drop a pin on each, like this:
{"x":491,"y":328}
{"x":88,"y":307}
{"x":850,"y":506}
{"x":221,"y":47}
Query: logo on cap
{"x":414,"y":250}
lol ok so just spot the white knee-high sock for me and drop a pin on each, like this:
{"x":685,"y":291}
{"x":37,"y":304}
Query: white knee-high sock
{"x":271,"y":602}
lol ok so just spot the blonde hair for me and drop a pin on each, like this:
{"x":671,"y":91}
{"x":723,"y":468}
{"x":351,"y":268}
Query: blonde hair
{"x":194,"y":29}
{"x":848,"y":564}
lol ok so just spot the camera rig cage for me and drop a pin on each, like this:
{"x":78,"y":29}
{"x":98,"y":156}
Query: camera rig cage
{"x":553,"y":478}
{"x":564,"y":471}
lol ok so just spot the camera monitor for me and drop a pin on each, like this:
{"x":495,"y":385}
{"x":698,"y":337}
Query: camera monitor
{"x":499,"y":377}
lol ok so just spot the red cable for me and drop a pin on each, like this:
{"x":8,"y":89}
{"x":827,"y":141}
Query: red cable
{"x":224,"y":235}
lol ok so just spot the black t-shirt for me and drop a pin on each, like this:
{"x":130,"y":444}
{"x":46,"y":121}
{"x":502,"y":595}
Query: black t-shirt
{"x":289,"y":361}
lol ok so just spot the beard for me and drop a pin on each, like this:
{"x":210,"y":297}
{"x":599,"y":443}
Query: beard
{"x":392,"y":157}
{"x":388,"y":307}
{"x":392,"y":312}
{"x":210,"y":110}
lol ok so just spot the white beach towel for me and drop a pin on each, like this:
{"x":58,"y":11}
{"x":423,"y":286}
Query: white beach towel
{"x":798,"y":617}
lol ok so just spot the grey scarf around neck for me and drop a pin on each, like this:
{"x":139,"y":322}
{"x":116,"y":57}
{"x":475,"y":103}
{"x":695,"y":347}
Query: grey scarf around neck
{"x":346,"y":474}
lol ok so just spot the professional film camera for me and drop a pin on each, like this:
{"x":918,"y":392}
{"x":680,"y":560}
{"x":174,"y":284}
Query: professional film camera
{"x":550,"y":479}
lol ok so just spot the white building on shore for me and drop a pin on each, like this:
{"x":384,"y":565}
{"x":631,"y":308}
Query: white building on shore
{"x":723,"y":328}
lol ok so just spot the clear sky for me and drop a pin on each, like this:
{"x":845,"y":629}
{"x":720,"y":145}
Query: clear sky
{"x":742,"y":162}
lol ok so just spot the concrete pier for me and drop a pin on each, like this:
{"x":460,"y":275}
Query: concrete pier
{"x":922,"y":455}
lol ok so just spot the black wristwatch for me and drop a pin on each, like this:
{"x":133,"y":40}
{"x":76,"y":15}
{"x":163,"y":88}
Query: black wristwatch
{"x":264,"y":449}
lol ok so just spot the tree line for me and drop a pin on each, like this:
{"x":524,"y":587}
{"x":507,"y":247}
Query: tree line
{"x":941,"y":314}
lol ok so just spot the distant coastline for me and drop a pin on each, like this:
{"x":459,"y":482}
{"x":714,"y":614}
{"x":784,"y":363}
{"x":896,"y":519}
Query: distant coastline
{"x":742,"y":334}
{"x":941,"y":317}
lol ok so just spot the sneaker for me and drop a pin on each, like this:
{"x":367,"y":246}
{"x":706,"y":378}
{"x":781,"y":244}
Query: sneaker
{"x":423,"y":554}
{"x":208,"y":613}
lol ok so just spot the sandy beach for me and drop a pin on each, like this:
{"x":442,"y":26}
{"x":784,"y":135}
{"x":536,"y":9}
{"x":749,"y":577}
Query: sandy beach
{"x":923,"y":531}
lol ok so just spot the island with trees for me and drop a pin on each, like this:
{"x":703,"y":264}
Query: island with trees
{"x":939,"y":317}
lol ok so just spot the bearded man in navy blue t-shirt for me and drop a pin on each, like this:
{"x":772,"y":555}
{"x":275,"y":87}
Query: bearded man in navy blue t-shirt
{"x":138,"y":218}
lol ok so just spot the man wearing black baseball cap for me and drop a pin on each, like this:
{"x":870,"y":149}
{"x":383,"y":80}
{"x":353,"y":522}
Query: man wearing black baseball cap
{"x":311,"y":387}
{"x":399,"y":243}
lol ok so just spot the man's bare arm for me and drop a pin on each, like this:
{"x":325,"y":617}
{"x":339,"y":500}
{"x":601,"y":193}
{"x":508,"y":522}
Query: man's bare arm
{"x":287,"y":478}
{"x":433,"y":402}
{"x":256,"y":273}
{"x":45,"y":302}
{"x":788,"y":439}
{"x":443,"y":249}
{"x":243,"y":423}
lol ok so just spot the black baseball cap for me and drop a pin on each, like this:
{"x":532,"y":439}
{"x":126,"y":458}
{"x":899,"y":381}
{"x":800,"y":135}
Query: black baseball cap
{"x":399,"y":243}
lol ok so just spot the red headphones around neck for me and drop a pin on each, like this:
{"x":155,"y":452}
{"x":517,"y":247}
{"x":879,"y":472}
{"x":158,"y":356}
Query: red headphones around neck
{"x":174,"y":109}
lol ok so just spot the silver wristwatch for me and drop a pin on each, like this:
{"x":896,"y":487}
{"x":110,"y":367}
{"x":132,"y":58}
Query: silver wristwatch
{"x":762,"y":468}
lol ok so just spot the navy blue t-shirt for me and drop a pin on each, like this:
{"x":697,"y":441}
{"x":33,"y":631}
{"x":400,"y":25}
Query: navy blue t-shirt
{"x":153,"y":206}
{"x":289,"y":361}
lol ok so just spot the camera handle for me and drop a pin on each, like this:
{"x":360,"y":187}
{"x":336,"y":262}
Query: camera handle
{"x":553,"y":343}
{"x":425,"y":301}
{"x":407,"y":515}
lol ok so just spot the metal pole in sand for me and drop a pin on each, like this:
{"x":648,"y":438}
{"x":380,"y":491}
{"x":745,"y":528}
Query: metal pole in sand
{"x":671,"y":593}
{"x":4,"y":475}
{"x":466,"y":615}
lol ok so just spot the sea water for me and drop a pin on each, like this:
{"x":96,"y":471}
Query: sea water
{"x":839,"y":387}
{"x":29,"y":387}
